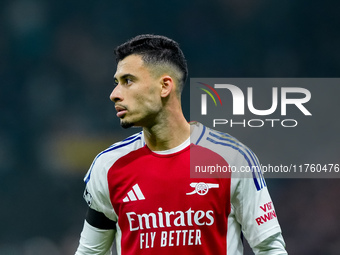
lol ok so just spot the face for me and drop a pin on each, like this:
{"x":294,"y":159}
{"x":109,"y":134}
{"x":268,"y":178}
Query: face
{"x":137,"y":94}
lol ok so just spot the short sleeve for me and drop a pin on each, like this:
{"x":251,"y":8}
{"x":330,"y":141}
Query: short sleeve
{"x":254,"y":209}
{"x":96,"y":192}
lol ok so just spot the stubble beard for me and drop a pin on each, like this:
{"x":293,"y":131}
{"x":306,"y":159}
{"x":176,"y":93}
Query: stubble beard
{"x":126,"y":124}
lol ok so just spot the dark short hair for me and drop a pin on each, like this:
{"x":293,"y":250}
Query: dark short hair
{"x":155,"y":49}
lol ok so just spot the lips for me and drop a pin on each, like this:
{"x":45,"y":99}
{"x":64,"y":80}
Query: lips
{"x":121,"y":111}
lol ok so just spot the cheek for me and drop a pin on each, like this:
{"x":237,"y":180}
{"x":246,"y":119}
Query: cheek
{"x":147,"y":99}
{"x":152,"y":96}
{"x":150,"y":103}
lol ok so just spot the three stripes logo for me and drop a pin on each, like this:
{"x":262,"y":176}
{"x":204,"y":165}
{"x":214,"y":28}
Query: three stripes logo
{"x":134,"y":194}
{"x":204,"y":97}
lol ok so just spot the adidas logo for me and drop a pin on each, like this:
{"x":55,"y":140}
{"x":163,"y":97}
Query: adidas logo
{"x":134,"y":194}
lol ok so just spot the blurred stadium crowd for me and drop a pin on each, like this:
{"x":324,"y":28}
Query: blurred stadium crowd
{"x":56,"y":68}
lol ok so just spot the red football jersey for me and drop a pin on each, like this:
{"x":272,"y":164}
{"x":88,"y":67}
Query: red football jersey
{"x":187,"y":200}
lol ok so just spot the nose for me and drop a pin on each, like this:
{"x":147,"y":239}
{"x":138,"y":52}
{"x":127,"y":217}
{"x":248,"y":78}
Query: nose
{"x":116,"y":95}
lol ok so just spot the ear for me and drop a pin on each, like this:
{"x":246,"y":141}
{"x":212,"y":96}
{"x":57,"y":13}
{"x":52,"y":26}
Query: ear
{"x":167,"y":85}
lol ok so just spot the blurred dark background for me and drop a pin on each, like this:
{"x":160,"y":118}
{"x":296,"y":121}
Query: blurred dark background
{"x":56,"y":68}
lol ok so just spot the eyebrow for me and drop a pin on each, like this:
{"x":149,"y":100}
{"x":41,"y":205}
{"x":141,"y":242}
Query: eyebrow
{"x":128,"y":75}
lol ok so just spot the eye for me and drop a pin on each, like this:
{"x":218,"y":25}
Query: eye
{"x":125,"y":80}
{"x":128,"y":81}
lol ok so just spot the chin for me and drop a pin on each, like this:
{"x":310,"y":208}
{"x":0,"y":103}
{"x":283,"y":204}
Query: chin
{"x":126,"y":124}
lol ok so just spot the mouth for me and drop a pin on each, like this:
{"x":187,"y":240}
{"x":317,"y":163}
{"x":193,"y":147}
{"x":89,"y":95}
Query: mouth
{"x":121,"y":111}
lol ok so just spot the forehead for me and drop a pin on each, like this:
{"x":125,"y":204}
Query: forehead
{"x":132,"y":64}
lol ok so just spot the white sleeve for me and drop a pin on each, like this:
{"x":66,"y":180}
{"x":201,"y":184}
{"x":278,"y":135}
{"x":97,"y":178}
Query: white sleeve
{"x":96,"y":192}
{"x":254,"y":210}
{"x":95,"y":241}
{"x":273,"y":245}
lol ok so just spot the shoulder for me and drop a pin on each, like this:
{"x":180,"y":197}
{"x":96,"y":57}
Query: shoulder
{"x":107,"y":157}
{"x":234,"y":152}
{"x":216,"y":140}
{"x":245,"y":165}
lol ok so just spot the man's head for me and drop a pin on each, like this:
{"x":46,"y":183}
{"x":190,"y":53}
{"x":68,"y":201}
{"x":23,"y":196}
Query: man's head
{"x":151,"y":72}
{"x":160,"y":54}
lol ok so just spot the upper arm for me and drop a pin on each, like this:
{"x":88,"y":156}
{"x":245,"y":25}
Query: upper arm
{"x":254,"y":211}
{"x":273,"y":245}
{"x":99,"y":220}
{"x":96,"y":193}
{"x":95,"y":241}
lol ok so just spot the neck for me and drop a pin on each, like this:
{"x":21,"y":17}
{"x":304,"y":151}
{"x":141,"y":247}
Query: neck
{"x":168,"y":133}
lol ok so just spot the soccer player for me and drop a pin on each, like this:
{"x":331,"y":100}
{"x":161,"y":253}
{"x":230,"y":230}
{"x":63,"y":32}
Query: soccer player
{"x":140,"y":192}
